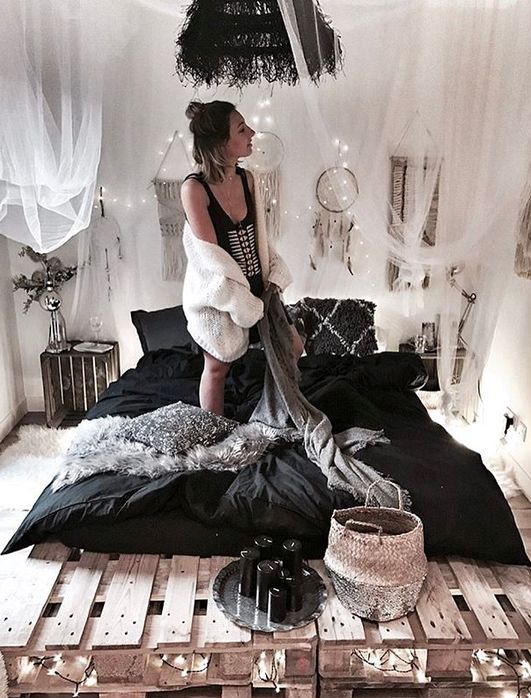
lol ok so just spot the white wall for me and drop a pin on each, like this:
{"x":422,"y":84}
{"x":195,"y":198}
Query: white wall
{"x":507,"y":378}
{"x":12,"y":400}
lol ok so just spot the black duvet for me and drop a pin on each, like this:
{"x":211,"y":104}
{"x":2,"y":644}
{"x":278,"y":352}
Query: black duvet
{"x":283,"y":494}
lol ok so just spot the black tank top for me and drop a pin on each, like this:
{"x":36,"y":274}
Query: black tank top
{"x":238,"y":239}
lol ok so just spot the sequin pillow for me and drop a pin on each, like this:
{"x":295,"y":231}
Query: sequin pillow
{"x":175,"y":428}
{"x":336,"y":326}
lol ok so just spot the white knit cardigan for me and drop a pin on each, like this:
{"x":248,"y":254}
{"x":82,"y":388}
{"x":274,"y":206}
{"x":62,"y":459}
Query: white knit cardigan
{"x":217,"y":299}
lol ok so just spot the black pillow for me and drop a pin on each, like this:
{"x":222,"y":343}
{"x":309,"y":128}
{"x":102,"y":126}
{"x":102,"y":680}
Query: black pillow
{"x":163,"y":329}
{"x":336,"y":326}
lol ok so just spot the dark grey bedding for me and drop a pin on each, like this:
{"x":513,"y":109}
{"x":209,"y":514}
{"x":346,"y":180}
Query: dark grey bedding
{"x":284,"y":494}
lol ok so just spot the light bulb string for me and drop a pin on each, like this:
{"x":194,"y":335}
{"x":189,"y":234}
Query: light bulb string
{"x":185,"y":670}
{"x":264,"y":677}
{"x":503,"y":659}
{"x":411,"y":664}
{"x":87,"y":672}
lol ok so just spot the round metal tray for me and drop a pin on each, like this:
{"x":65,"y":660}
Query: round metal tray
{"x":242,"y":610}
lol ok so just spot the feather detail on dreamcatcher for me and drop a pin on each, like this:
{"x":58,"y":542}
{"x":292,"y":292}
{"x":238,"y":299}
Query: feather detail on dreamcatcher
{"x":336,"y":191}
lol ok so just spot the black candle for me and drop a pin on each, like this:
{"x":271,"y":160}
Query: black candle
{"x":265,"y":546}
{"x":292,"y":556}
{"x":293,"y":588}
{"x":266,"y":577}
{"x":276,"y":607}
{"x":249,"y":558}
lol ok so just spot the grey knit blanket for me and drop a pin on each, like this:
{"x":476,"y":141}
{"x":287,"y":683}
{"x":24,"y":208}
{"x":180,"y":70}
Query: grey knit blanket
{"x":283,"y":406}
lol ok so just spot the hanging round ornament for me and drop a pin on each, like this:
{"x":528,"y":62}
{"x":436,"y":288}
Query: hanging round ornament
{"x":337,"y":189}
{"x":268,"y":152}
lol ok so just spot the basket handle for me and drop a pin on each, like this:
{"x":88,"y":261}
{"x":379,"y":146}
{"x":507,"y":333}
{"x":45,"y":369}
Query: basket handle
{"x":389,"y":482}
{"x":353,"y":525}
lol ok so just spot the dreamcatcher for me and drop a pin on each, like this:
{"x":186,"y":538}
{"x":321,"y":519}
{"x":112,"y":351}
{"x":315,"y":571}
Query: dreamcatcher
{"x":336,"y":191}
{"x":265,"y":161}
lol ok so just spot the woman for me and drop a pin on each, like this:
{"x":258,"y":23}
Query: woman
{"x":230,"y":262}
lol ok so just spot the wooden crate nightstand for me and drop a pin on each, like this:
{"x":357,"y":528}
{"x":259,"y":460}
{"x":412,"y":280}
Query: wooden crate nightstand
{"x":74,"y":380}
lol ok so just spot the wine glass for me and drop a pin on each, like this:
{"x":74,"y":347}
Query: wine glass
{"x":95,"y":325}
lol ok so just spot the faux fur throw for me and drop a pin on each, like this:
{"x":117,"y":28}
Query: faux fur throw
{"x":283,"y":404}
{"x":99,"y":446}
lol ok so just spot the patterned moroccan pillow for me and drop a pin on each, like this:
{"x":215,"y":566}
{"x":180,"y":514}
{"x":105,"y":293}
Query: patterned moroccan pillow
{"x":336,"y":326}
{"x":175,"y":428}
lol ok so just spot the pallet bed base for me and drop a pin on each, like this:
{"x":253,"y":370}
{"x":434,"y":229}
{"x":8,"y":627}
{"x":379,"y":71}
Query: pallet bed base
{"x":138,"y":624}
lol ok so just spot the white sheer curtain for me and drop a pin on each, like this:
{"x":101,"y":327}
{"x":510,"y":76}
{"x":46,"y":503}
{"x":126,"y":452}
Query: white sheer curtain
{"x":51,"y":80}
{"x":462,"y":71}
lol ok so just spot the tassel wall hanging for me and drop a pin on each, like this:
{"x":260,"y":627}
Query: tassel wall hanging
{"x":171,"y":221}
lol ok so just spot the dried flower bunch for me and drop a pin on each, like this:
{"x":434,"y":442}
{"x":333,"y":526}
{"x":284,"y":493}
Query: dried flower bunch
{"x":52,"y":276}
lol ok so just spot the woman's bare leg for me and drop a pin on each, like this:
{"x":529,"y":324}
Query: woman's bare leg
{"x":212,"y":385}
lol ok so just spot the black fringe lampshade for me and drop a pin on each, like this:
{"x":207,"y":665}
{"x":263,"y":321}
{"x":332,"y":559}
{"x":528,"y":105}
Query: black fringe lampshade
{"x":244,"y":41}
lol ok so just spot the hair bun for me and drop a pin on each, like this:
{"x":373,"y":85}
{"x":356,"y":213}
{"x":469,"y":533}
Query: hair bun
{"x":195,"y":109}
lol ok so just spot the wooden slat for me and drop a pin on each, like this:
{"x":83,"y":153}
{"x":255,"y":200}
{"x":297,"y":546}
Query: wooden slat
{"x":516,"y":584}
{"x":219,"y":629}
{"x":236,"y":692}
{"x":178,"y":609}
{"x":436,"y":609}
{"x":124,"y":613}
{"x":26,"y":599}
{"x":75,"y":609}
{"x":336,"y":624}
{"x":482,"y":601}
{"x":398,"y":631}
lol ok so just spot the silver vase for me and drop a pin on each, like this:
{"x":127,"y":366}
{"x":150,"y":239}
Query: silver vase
{"x":51,"y":301}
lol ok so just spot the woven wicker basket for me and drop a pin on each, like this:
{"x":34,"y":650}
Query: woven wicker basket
{"x":376,"y":559}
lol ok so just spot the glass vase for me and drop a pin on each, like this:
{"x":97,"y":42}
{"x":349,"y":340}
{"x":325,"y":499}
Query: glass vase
{"x":57,"y":333}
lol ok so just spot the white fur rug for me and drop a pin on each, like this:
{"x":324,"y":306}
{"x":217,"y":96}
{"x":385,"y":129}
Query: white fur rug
{"x":29,"y":464}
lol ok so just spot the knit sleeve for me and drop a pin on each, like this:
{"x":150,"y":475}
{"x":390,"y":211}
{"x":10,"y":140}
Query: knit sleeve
{"x":232,"y":297}
{"x":279,"y":273}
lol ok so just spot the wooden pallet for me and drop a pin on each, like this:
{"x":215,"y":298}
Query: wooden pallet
{"x":139,"y":623}
{"x":133,"y":624}
{"x":464,"y":606}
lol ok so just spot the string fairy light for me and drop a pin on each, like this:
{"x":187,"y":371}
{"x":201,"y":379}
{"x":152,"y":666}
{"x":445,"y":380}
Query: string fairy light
{"x":262,"y":670}
{"x":88,"y":677}
{"x":500,"y":658}
{"x":180,"y":663}
{"x":389,"y":660}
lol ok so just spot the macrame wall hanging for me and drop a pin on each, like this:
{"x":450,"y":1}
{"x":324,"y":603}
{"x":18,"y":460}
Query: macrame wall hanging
{"x":264,"y":163}
{"x":522,"y":258}
{"x":171,"y":218}
{"x":402,"y":192}
{"x":404,"y":182}
{"x":336,"y":191}
{"x":239,"y":42}
{"x":171,"y":221}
